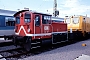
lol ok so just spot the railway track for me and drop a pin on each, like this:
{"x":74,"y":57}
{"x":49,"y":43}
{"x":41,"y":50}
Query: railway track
{"x":15,"y":53}
{"x":6,"y":43}
{"x":9,"y":51}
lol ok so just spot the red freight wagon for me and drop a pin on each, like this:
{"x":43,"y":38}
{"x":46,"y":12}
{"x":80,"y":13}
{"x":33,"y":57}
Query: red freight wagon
{"x":32,"y":29}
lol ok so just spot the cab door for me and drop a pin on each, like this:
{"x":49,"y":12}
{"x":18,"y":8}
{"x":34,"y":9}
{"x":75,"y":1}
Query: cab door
{"x":37,"y":26}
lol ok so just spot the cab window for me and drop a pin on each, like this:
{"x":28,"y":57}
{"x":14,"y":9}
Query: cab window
{"x":75,"y":20}
{"x":46,"y":19}
{"x":17,"y":20}
{"x":27,"y":18}
{"x":37,"y":20}
{"x":67,"y":20}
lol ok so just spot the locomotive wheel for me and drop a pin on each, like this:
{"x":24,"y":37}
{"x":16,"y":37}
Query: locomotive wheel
{"x":27,"y":45}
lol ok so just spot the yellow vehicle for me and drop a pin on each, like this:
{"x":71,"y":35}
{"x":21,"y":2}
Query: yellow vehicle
{"x":78,"y":26}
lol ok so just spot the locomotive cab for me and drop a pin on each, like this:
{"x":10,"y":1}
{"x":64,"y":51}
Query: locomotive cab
{"x":74,"y":28}
{"x":32,"y":24}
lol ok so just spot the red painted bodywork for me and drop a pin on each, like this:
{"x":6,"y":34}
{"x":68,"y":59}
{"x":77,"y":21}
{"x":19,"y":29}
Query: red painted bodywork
{"x":59,"y":27}
{"x":52,"y":27}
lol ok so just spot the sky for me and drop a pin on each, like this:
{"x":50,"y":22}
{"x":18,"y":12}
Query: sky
{"x":65,"y":7}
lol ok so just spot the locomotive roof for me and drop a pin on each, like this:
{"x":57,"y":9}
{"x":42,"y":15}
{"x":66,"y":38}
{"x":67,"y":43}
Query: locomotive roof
{"x":20,"y":12}
{"x":30,"y":11}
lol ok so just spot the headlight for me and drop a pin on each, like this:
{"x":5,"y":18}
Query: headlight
{"x":28,"y":30}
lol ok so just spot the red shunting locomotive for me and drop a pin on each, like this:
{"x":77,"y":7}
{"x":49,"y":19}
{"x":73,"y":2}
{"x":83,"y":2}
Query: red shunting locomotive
{"x":32,"y":29}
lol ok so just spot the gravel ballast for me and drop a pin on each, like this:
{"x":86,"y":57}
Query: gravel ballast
{"x":69,"y":52}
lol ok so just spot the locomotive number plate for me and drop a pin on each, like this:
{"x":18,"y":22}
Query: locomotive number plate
{"x":46,"y":27}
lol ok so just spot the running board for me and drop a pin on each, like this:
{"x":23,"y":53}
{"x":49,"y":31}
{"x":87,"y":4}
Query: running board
{"x":59,"y":42}
{"x":35,"y":47}
{"x":35,"y":43}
